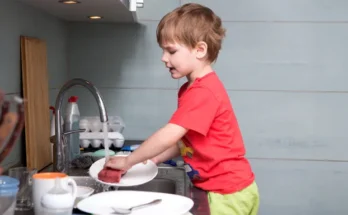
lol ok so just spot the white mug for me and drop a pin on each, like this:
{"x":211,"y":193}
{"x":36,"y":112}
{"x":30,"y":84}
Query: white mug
{"x":44,"y":182}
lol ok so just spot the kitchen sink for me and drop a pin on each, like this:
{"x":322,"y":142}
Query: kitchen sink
{"x":156,"y":185}
{"x":170,"y":180}
{"x":88,"y":181}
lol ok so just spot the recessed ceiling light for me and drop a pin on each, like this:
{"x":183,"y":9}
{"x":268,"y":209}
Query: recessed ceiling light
{"x":95,"y":17}
{"x":69,"y":1}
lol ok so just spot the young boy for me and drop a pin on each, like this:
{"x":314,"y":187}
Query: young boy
{"x":203,"y":129}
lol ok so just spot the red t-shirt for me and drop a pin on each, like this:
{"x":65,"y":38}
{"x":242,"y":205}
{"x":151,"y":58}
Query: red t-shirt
{"x":213,"y":148}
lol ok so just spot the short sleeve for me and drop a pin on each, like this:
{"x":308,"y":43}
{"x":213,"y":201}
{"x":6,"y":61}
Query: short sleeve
{"x":196,"y":110}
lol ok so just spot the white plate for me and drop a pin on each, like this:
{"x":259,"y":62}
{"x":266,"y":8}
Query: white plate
{"x":138,"y":174}
{"x":101,"y":203}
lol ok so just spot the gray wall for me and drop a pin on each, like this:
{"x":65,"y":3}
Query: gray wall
{"x":283,"y":63}
{"x":17,"y":19}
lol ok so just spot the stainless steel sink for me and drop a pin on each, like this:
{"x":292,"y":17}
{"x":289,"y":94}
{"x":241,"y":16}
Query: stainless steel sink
{"x":90,"y":182}
{"x":156,"y":185}
{"x":168,"y":180}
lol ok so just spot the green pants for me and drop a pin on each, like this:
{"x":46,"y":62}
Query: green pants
{"x":244,"y":202}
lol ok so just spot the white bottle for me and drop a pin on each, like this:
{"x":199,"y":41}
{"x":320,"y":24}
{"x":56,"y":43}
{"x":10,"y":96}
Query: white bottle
{"x":71,"y":122}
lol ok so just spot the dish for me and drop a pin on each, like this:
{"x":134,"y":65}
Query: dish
{"x":137,"y":175}
{"x":101,"y":203}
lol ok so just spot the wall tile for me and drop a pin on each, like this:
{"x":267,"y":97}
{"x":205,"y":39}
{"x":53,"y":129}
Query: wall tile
{"x":269,"y":56}
{"x":156,"y":9}
{"x":143,"y":111}
{"x":122,"y":56}
{"x":278,"y":10}
{"x":303,"y":188}
{"x":28,"y":21}
{"x":293,"y":125}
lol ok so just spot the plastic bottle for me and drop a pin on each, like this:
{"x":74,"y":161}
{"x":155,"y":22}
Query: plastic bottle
{"x":71,"y":122}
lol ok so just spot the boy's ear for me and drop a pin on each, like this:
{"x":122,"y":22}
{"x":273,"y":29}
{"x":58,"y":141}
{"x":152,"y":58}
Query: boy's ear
{"x":201,"y":50}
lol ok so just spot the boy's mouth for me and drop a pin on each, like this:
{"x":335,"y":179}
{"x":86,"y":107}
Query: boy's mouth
{"x":171,"y":69}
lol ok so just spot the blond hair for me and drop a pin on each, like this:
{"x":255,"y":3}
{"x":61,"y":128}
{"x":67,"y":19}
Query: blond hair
{"x":190,"y":24}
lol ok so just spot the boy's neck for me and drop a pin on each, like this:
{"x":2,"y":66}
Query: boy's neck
{"x":199,"y":73}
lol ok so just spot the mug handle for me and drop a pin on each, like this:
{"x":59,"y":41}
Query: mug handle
{"x":74,"y":187}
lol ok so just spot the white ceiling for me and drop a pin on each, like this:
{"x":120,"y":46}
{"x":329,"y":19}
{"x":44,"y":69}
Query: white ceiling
{"x":110,"y":10}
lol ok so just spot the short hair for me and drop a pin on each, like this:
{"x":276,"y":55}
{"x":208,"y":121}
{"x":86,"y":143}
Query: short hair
{"x":190,"y":24}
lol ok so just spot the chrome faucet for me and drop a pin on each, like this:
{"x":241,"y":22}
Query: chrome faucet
{"x":61,"y":149}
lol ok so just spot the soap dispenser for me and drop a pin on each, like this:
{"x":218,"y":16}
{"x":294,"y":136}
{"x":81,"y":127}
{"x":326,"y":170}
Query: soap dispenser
{"x":58,"y":201}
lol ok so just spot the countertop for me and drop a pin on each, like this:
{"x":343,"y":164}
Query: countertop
{"x":199,"y":197}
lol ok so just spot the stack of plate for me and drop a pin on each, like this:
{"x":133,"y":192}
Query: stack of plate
{"x":102,"y":203}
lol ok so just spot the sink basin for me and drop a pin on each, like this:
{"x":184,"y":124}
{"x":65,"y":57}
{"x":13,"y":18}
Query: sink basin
{"x":156,"y":185}
{"x":168,"y":180}
{"x":87,"y":181}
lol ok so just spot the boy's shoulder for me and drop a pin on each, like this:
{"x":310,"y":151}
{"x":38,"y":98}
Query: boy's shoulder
{"x":205,"y":81}
{"x":183,"y":88}
{"x":210,"y":82}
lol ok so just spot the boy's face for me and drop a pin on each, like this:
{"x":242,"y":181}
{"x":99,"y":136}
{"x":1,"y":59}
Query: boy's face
{"x":179,"y":59}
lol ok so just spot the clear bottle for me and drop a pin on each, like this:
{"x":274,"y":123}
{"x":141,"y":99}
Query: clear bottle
{"x":71,"y":122}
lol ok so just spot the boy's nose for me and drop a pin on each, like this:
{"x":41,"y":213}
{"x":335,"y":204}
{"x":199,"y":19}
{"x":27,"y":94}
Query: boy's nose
{"x":164,"y":58}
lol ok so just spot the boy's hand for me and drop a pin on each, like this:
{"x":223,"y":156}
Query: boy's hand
{"x":118,"y":162}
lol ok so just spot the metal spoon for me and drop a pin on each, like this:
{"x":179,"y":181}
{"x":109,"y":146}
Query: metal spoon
{"x":128,"y":211}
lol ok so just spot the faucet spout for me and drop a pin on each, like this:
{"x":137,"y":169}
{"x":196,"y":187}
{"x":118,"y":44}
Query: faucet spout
{"x":61,"y":149}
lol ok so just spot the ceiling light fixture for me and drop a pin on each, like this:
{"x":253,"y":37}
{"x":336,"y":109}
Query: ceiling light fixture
{"x":69,"y":1}
{"x":95,"y":17}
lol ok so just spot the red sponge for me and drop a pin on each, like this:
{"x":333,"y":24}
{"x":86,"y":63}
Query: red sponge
{"x":110,"y":175}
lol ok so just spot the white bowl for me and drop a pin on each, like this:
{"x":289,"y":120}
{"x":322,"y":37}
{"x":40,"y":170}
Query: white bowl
{"x":82,"y":193}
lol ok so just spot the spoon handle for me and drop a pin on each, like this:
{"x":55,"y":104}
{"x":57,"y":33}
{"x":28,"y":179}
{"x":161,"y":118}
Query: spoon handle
{"x":154,"y":202}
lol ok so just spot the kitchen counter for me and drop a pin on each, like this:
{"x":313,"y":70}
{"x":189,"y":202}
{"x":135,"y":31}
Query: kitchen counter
{"x":200,"y":207}
{"x":199,"y":197}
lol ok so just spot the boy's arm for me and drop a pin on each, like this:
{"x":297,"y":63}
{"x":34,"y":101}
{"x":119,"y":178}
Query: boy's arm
{"x":168,"y":154}
{"x":159,"y":142}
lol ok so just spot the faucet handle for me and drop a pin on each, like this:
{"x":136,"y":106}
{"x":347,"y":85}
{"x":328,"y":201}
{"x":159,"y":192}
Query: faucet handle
{"x":74,"y":131}
{"x":53,"y":138}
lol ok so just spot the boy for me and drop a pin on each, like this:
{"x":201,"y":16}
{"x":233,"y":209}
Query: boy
{"x":204,"y":129}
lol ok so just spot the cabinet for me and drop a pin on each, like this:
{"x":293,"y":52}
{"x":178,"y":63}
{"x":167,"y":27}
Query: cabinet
{"x":109,"y":11}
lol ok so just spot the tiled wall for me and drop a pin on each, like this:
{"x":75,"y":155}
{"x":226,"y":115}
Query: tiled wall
{"x":17,"y":19}
{"x":284,"y":63}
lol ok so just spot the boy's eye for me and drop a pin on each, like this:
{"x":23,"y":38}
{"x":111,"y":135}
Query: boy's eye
{"x":172,"y":52}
